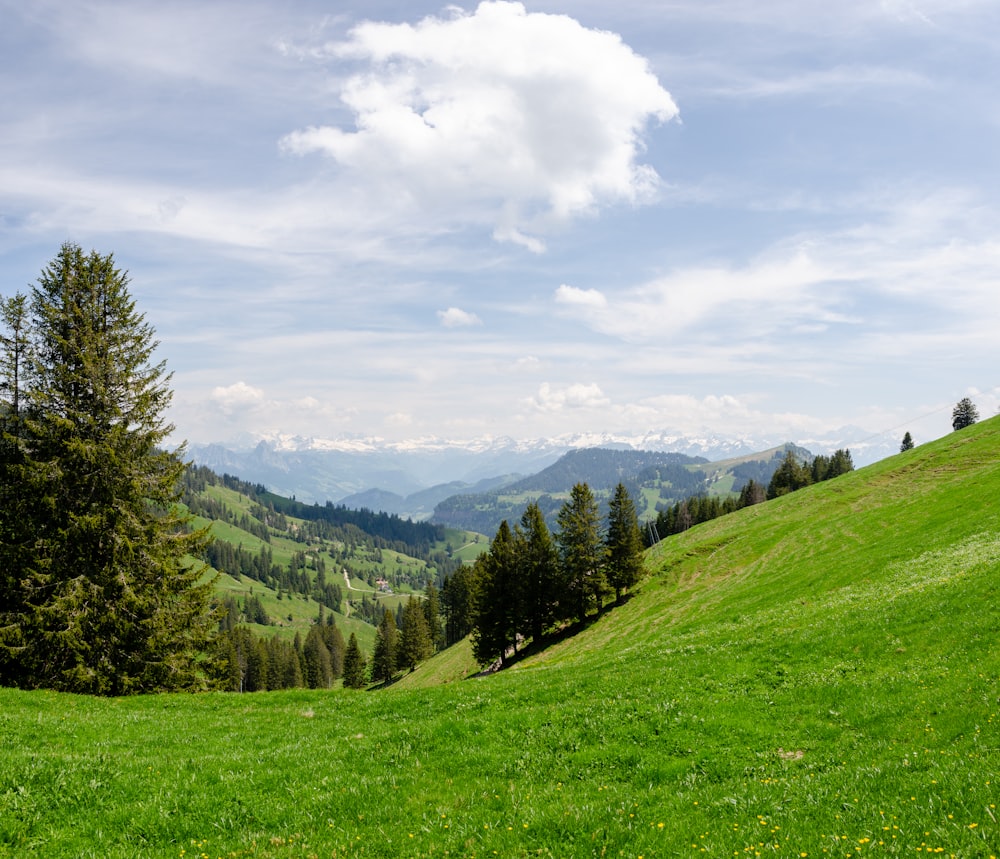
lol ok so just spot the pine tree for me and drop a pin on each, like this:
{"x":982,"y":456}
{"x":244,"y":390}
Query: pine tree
{"x":582,"y":553}
{"x":354,"y":665}
{"x":385,"y":655}
{"x":907,"y":443}
{"x":457,"y":602}
{"x":318,"y":672}
{"x":751,"y":493}
{"x":495,"y":599}
{"x":965,"y":414}
{"x":790,"y":476}
{"x":414,"y":640}
{"x":538,"y":569}
{"x":109,"y":603}
{"x":432,"y":613}
{"x":624,"y":543}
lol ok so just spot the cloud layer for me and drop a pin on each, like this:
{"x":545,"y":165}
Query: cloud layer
{"x":532,"y":115}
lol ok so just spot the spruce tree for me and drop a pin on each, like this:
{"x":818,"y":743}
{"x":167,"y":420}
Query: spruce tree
{"x":624,"y":543}
{"x":108,"y":602}
{"x":354,"y":665}
{"x":432,"y":613}
{"x":318,"y":673}
{"x":386,"y":653}
{"x":538,"y":569}
{"x":582,"y":553}
{"x":907,"y":443}
{"x":965,"y":414}
{"x":414,"y":640}
{"x":495,"y":599}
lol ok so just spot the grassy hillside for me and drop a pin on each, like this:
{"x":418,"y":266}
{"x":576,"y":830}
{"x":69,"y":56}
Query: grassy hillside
{"x":815,"y":676}
{"x":251,"y":521}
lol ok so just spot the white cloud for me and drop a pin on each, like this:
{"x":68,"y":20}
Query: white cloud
{"x":454,"y":317}
{"x":587,"y":299}
{"x":530,"y":114}
{"x":578,"y":396}
{"x":238,"y":397}
{"x":906,"y":257}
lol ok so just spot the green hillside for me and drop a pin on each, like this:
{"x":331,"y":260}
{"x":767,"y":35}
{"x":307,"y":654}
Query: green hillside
{"x":317,"y":558}
{"x":814,"y":676}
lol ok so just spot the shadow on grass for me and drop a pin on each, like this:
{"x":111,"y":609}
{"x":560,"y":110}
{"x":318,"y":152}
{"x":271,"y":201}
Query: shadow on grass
{"x":553,"y":637}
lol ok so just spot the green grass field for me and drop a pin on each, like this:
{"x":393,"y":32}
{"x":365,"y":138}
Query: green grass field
{"x":812,"y":677}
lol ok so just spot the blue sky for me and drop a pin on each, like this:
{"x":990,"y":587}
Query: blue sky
{"x":410,"y":220}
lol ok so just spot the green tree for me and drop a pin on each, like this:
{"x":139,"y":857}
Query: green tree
{"x":538,"y":569}
{"x":791,"y":475}
{"x":109,"y":602}
{"x":354,"y":665}
{"x":907,"y":443}
{"x":386,"y":653}
{"x":751,"y":493}
{"x":414,"y":640}
{"x":318,"y":672}
{"x":495,"y":599}
{"x":624,"y":543}
{"x":432,"y":613}
{"x":582,"y":554}
{"x":457,"y":602}
{"x":965,"y":414}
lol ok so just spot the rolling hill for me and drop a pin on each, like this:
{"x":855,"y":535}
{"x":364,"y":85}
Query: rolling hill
{"x":813,"y":676}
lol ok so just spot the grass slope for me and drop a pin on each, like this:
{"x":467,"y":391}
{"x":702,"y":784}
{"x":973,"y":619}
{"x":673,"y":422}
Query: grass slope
{"x":816,"y":676}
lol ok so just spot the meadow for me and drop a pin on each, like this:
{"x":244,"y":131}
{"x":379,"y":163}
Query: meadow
{"x":815,"y":676}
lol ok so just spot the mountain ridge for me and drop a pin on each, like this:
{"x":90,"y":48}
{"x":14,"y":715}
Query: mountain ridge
{"x":320,"y":470}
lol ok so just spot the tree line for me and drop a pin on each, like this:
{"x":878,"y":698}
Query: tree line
{"x":531,"y":581}
{"x":793,"y":473}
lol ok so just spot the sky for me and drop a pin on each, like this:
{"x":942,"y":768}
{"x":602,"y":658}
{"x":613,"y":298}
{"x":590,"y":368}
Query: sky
{"x":412,"y":220}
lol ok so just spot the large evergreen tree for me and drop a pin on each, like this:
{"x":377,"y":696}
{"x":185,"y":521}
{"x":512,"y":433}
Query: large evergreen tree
{"x":907,"y":443}
{"x":624,"y":543}
{"x":386,"y":653}
{"x":414,"y":640}
{"x":538,"y":568}
{"x":432,"y":613}
{"x":581,"y":553}
{"x":495,"y":599}
{"x":104,"y":600}
{"x":790,"y":476}
{"x":965,"y":414}
{"x":457,"y":600}
{"x":354,"y":665}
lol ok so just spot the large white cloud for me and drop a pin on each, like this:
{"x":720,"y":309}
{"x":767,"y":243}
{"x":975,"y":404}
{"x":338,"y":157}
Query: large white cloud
{"x":532,"y":115}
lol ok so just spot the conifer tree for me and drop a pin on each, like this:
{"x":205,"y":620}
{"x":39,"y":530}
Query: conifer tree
{"x":581,"y":553}
{"x":751,"y":493}
{"x":457,"y":601}
{"x":414,"y":640}
{"x":432,"y":613}
{"x":495,"y":600}
{"x":385,"y":654}
{"x":965,"y":414}
{"x":790,"y":476}
{"x":108,"y":603}
{"x":318,"y":673}
{"x":538,"y":569}
{"x":907,"y":443}
{"x":354,"y":665}
{"x":624,"y":543}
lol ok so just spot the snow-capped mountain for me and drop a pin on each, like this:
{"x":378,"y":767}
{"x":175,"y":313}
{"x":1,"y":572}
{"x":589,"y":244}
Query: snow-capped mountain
{"x":323,"y":470}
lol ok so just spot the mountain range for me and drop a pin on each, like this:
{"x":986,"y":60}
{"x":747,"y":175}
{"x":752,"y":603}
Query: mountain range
{"x":410,"y":478}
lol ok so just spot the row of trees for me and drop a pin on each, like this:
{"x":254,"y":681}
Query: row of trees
{"x":531,"y":581}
